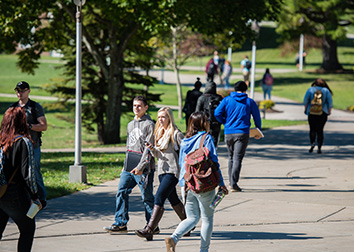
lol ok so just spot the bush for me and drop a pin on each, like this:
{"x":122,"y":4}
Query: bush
{"x":351,"y":108}
{"x":266,"y":104}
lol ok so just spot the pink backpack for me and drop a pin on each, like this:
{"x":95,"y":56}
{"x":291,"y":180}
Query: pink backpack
{"x":268,"y":80}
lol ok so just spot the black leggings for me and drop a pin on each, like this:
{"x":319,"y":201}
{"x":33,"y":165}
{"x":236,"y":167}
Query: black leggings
{"x":317,"y":123}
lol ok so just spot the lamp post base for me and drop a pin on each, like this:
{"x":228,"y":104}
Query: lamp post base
{"x":77,"y":174}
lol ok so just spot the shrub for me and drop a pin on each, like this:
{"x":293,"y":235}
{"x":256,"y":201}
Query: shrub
{"x":351,"y":108}
{"x":266,"y":104}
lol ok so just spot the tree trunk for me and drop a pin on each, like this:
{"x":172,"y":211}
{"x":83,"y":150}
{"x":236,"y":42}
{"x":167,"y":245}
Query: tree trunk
{"x":175,"y":69}
{"x":111,"y":133}
{"x":329,"y":51}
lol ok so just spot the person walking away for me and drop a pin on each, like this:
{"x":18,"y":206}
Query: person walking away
{"x":17,"y":149}
{"x":318,"y":104}
{"x":211,"y":69}
{"x":246,"y":65}
{"x":235,"y":113}
{"x":197,"y":205}
{"x":37,"y":123}
{"x":208,"y":103}
{"x":191,"y":100}
{"x":166,"y":150}
{"x":267,"y":84}
{"x":227,"y":73}
{"x":138,"y":167}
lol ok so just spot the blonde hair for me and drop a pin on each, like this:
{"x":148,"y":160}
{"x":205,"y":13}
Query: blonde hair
{"x":171,"y":125}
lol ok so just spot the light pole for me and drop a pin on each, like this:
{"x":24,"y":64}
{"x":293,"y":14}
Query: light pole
{"x":77,"y":172}
{"x":301,"y":52}
{"x":255,"y":28}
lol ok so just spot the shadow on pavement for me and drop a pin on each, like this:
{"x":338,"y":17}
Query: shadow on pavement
{"x":229,"y":235}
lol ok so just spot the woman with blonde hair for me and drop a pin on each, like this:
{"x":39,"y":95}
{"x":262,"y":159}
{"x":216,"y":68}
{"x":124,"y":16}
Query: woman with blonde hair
{"x":166,"y":150}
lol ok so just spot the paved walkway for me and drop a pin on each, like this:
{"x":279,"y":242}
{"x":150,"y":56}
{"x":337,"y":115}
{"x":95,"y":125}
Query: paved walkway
{"x":291,"y":201}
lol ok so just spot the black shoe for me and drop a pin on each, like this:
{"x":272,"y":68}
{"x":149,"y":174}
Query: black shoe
{"x":116,"y":229}
{"x":311,"y":149}
{"x":319,"y":151}
{"x":236,"y":188}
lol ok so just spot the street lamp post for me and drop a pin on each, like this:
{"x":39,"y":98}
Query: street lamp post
{"x":255,"y":28}
{"x":77,"y":172}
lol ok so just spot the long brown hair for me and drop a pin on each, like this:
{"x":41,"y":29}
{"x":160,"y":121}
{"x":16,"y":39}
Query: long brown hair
{"x":321,"y":83}
{"x":13,"y":124}
{"x":198,"y":121}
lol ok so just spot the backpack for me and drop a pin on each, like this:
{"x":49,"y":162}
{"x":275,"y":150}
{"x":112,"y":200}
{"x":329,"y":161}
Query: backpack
{"x":211,"y":69}
{"x":268,"y":80}
{"x":316,"y":103}
{"x":201,"y":172}
{"x":248,"y":64}
{"x":213,"y":102}
{"x":3,"y":182}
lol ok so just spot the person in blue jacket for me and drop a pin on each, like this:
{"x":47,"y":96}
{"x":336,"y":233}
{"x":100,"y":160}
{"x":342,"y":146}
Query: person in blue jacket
{"x":318,"y":121}
{"x":235,"y":112}
{"x":196,"y":205}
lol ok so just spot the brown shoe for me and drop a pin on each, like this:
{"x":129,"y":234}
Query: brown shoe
{"x":170,"y":244}
{"x":236,"y":188}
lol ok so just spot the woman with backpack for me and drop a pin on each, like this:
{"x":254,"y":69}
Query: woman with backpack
{"x":165,"y":149}
{"x":318,"y":106}
{"x":197,"y":205}
{"x":267,"y":84}
{"x":18,"y":169}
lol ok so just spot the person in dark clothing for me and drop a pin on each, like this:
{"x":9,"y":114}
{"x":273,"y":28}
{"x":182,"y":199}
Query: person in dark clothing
{"x":211,"y":69}
{"x":16,"y":143}
{"x":191,"y":100}
{"x":208,"y":103}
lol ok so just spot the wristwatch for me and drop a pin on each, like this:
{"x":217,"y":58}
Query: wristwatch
{"x":30,"y":126}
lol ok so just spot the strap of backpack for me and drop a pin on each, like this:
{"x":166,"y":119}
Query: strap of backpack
{"x":202,"y":141}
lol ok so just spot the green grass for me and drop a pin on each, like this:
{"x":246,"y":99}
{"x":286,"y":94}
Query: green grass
{"x":101,"y":167}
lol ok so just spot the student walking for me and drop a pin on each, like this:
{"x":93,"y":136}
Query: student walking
{"x":18,"y":169}
{"x":197,"y":205}
{"x":318,"y":106}
{"x":138,"y":167}
{"x":235,"y":113}
{"x":166,"y":150}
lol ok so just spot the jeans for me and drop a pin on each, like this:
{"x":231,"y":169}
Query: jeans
{"x":197,"y":205}
{"x":42,"y":194}
{"x":236,"y":146}
{"x":267,"y":89}
{"x":167,"y":190}
{"x":15,"y":204}
{"x":227,"y":82}
{"x":126,"y":184}
{"x":317,"y":123}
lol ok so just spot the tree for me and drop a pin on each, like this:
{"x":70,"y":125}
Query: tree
{"x":109,"y":29}
{"x":325,"y":19}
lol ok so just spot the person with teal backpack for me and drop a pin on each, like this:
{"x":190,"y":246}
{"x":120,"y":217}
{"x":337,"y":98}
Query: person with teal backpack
{"x":18,"y":171}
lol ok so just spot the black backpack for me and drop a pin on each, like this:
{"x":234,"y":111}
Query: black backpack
{"x":212,"y":102}
{"x":211,"y":69}
{"x":248,"y":65}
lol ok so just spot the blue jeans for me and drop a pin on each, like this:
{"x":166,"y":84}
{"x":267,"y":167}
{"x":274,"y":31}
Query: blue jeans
{"x":126,"y":184}
{"x":236,"y":146}
{"x":15,"y":204}
{"x":227,"y":82}
{"x":197,"y":205}
{"x":167,"y":190}
{"x":267,"y":89}
{"x":42,"y":194}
